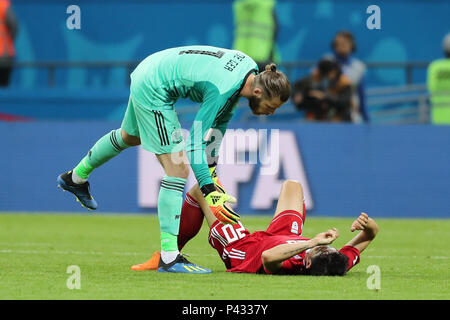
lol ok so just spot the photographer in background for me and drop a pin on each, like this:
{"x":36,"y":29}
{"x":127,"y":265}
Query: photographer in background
{"x":325,"y":95}
{"x":344,"y":47}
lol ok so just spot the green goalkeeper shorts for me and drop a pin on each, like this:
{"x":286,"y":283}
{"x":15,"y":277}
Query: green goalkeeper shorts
{"x":158,"y":128}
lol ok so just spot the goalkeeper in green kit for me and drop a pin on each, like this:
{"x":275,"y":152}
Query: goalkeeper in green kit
{"x":214,"y":77}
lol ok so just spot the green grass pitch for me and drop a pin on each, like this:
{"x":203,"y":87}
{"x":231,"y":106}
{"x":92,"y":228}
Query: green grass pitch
{"x":36,"y":249}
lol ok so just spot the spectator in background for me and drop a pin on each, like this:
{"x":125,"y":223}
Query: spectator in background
{"x":8,"y":31}
{"x":255,"y":30}
{"x":344,"y":47}
{"x":325,"y":95}
{"x":438,"y":82}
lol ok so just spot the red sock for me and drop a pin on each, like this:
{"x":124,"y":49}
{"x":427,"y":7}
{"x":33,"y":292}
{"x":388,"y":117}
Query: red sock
{"x":190,"y":221}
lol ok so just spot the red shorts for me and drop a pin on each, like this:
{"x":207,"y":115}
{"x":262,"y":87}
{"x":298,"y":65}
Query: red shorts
{"x":287,"y":223}
{"x":237,"y":247}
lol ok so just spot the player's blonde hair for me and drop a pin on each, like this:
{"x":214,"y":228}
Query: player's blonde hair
{"x":273,"y":83}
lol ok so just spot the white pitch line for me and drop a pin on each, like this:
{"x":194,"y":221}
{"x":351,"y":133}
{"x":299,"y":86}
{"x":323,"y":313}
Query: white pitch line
{"x":405,"y":257}
{"x":27,"y":244}
{"x":13,"y":251}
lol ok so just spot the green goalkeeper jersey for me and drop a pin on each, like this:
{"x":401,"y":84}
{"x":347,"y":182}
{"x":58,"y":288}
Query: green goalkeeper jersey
{"x":209,"y":75}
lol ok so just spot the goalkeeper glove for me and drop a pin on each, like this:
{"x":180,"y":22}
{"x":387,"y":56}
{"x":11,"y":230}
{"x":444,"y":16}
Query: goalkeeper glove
{"x":217,"y":204}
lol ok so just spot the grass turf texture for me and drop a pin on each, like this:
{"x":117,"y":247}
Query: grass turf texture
{"x":35,"y":251}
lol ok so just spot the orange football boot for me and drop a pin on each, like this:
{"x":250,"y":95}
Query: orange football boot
{"x":151,"y":264}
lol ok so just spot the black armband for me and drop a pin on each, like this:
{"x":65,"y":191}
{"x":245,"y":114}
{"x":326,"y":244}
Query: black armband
{"x":212,"y":164}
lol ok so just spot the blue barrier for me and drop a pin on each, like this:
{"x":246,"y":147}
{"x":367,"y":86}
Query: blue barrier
{"x":97,"y":104}
{"x":61,"y":104}
{"x":387,"y":171}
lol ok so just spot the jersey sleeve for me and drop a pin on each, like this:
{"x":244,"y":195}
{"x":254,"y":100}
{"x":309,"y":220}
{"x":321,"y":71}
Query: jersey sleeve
{"x":291,"y":266}
{"x":219,"y":97}
{"x":352,"y":254}
{"x":216,"y":138}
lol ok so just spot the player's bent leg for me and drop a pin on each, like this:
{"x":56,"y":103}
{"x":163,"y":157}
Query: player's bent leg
{"x":191,"y":221}
{"x":130,"y":139}
{"x":160,"y":133}
{"x":289,"y":216}
{"x":291,"y":197}
{"x":174,"y":164}
{"x":105,"y":148}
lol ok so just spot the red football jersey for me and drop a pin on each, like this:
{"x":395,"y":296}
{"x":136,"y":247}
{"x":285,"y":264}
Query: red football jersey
{"x":241,"y":251}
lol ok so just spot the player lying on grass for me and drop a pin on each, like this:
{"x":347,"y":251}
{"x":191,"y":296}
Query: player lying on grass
{"x":215,"y":77}
{"x":281,"y":248}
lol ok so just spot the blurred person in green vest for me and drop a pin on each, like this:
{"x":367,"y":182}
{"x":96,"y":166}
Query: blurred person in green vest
{"x":438,"y":82}
{"x":255,"y":30}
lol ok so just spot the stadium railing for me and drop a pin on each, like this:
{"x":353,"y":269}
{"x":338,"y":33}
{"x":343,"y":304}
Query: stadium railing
{"x":53,"y":66}
{"x":391,"y":105}
{"x":408,"y":66}
{"x":289,"y":66}
{"x":399,"y":105}
{"x":388,"y":105}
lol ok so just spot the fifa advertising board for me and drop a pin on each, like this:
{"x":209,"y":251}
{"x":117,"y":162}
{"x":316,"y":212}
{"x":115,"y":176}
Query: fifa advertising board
{"x":345,"y":169}
{"x":252,"y":165}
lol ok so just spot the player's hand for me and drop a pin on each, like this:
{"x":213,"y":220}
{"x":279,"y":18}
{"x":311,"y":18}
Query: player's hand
{"x":217,"y":204}
{"x":319,"y":95}
{"x":326,"y":237}
{"x":215,"y":179}
{"x":360,"y":223}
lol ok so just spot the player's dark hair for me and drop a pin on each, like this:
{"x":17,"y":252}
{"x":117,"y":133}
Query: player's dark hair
{"x":328,"y":264}
{"x":274,"y":83}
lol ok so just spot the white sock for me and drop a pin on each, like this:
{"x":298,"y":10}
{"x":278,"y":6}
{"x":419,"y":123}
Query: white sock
{"x":169,"y":256}
{"x":77,"y":179}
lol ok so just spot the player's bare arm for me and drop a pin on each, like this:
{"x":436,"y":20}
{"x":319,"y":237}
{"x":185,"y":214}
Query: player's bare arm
{"x":197,"y":194}
{"x":272,"y":259}
{"x":369,"y":230}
